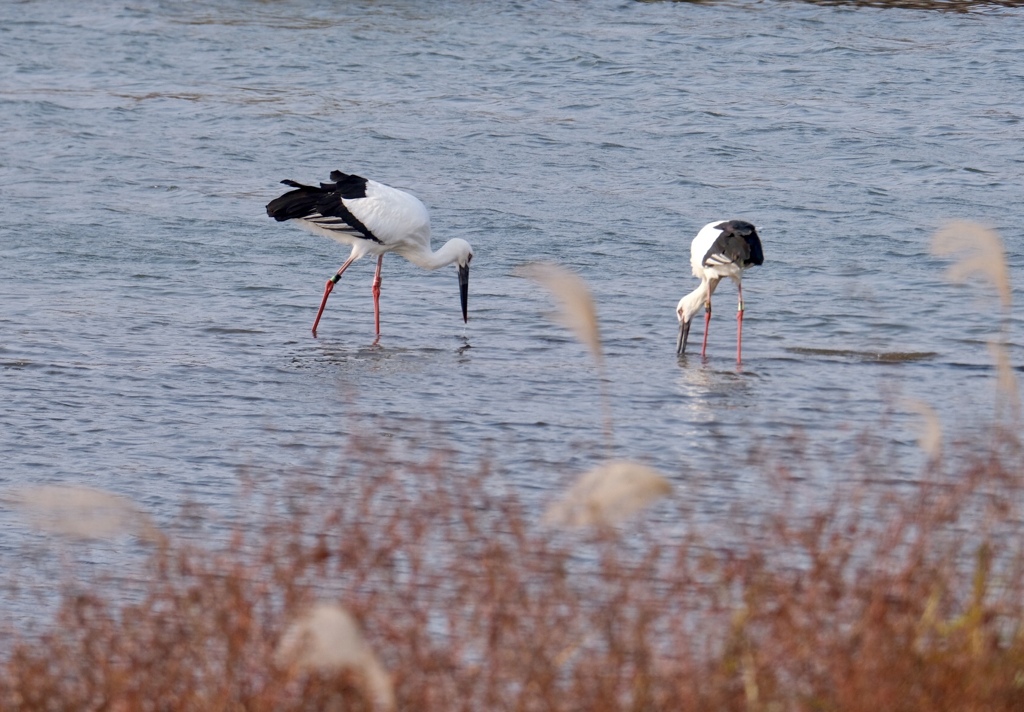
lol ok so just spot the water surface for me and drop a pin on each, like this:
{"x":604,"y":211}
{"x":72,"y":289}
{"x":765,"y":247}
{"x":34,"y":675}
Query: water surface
{"x":154,"y":335}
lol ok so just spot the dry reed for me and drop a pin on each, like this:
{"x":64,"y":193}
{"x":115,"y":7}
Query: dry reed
{"x":609,"y":493}
{"x":455,"y":598}
{"x":446,"y":593}
{"x":578,"y":313}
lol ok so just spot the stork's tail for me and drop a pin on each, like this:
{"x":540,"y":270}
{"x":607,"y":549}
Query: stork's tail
{"x":296,"y":203}
{"x":305,"y":199}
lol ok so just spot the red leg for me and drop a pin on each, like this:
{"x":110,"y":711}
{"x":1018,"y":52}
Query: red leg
{"x":376,"y":294}
{"x":739,"y":326}
{"x":707,"y":323}
{"x":328,"y":289}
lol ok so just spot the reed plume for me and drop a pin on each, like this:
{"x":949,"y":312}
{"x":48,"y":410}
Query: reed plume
{"x":609,"y":493}
{"x":980,"y":254}
{"x":578,"y":313}
{"x":325,"y":640}
{"x":82,"y":512}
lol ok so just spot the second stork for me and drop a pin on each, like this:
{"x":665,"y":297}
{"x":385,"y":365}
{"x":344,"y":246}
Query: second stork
{"x":721,"y":249}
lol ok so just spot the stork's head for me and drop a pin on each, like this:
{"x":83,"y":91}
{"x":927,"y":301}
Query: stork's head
{"x":687,"y":307}
{"x":461,"y":250}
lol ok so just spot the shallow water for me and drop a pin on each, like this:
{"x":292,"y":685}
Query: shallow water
{"x":155,"y":324}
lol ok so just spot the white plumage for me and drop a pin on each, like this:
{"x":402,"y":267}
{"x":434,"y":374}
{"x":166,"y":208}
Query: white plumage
{"x":373,"y":219}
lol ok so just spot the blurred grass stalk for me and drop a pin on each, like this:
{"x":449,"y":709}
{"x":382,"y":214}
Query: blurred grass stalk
{"x":980,"y":258}
{"x":578,"y":313}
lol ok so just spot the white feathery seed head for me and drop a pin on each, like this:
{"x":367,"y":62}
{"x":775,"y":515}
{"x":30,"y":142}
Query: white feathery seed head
{"x":577,"y":310}
{"x":980,"y":254}
{"x":327,"y":639}
{"x":81,"y":512}
{"x":609,"y":493}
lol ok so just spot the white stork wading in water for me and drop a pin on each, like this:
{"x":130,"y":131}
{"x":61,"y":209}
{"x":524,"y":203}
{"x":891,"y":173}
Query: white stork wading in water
{"x":373,"y":219}
{"x":721,"y":249}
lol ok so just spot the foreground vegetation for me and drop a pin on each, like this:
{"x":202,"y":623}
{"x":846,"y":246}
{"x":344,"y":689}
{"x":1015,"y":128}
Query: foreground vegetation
{"x":411,"y":585}
{"x":910,"y":600}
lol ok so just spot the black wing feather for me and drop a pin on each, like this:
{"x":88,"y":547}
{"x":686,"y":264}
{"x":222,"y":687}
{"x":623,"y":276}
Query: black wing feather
{"x":323,"y":206}
{"x":350,"y":186}
{"x":738,"y":242}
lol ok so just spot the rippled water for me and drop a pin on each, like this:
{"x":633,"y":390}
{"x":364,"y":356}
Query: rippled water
{"x":154,"y":335}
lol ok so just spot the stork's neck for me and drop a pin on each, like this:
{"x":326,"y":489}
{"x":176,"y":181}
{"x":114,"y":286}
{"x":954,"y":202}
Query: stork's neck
{"x":452,"y":251}
{"x":693,"y":302}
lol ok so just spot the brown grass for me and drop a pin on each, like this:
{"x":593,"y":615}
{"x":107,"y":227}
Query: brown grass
{"x":883,"y":598}
{"x":414,"y":585}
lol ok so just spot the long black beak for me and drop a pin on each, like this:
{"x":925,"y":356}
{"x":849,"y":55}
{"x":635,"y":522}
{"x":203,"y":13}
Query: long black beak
{"x":684,"y":333}
{"x":464,"y":290}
